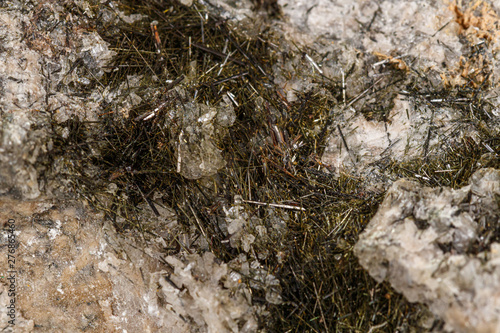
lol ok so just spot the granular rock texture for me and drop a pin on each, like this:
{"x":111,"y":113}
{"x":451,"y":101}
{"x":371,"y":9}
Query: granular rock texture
{"x":430,"y":244}
{"x":46,"y":59}
{"x":380,"y":81}
{"x":75,"y":273}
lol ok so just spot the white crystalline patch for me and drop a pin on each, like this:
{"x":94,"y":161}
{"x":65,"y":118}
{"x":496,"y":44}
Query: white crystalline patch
{"x":207,"y":116}
{"x":110,"y":261}
{"x":405,"y":135}
{"x":130,"y":18}
{"x":197,"y":153}
{"x":246,"y":241}
{"x":55,"y":231}
{"x":97,"y":47}
{"x":206,"y":302}
{"x":368,"y":140}
{"x":59,"y":289}
{"x":187,"y":2}
{"x":419,"y":241}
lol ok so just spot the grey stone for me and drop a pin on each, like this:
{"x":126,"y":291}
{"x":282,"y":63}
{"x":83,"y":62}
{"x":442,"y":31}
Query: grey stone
{"x":427,"y":242}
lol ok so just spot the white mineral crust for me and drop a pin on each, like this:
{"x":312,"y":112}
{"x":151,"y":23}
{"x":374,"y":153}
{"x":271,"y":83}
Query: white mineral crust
{"x":422,"y":241}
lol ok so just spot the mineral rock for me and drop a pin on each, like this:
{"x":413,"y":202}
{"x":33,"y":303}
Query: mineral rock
{"x":197,"y":153}
{"x":431,"y":245}
{"x":74,"y":272}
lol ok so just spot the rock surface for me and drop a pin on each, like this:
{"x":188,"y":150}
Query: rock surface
{"x":75,"y":273}
{"x":39,"y":62}
{"x":427,"y":242}
{"x":376,"y":50}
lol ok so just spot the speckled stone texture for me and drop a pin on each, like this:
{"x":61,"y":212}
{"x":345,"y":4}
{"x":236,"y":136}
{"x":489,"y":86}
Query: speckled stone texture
{"x":74,"y":273}
{"x":428,"y":243}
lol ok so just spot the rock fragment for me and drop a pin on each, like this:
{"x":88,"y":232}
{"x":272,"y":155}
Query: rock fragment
{"x":434,"y":246}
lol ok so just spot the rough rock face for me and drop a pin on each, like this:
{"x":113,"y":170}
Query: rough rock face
{"x":428,"y":37}
{"x":39,"y":60}
{"x":428,"y":243}
{"x":357,"y":43}
{"x":75,"y":273}
{"x":381,"y":26}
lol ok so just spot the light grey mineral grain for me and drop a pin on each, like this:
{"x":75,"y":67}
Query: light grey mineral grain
{"x":427,"y":242}
{"x":197,"y":152}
